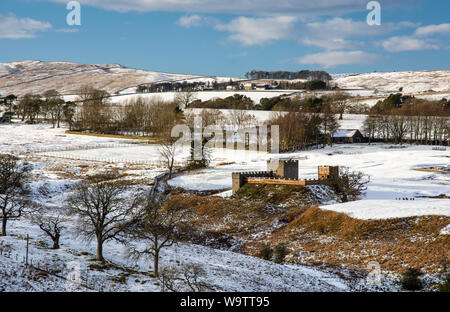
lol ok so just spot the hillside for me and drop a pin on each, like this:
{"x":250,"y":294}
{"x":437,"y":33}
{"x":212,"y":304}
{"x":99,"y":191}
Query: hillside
{"x":410,"y":81}
{"x":36,"y":76}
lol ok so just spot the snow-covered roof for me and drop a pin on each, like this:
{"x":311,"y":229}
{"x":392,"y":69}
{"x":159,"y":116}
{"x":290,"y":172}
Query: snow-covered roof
{"x":345,"y":133}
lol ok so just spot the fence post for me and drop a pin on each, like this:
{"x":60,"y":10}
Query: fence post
{"x":26,"y":257}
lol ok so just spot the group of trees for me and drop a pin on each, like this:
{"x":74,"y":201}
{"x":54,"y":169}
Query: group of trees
{"x":103,"y":208}
{"x":236,"y":101}
{"x":310,"y":121}
{"x":297,"y":130}
{"x":185,"y":86}
{"x":146,"y":117}
{"x":402,"y":118}
{"x":303,"y":74}
{"x":338,"y":102}
{"x":49,"y":106}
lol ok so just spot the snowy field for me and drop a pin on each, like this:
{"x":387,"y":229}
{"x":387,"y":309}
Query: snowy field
{"x":21,"y":138}
{"x":53,"y":180}
{"x":391,"y":171}
{"x":224,"y":270}
{"x":410,"y":81}
{"x":389,"y":209}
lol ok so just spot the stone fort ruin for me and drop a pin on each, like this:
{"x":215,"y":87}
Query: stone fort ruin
{"x":282,"y":171}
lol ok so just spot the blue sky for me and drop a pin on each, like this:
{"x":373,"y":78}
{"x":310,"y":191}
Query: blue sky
{"x":231,"y":37}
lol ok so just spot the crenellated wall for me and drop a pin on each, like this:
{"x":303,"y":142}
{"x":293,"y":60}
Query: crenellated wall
{"x":285,"y":173}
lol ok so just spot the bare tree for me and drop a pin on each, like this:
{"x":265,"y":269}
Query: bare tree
{"x":54,"y":105}
{"x":370,"y":127}
{"x":51,"y":225}
{"x":159,"y":224}
{"x":168,"y":149}
{"x":329,"y":123}
{"x":189,"y":277}
{"x":240,"y":118}
{"x":102,"y":207}
{"x":184,"y":98}
{"x":339,"y":102}
{"x":14,"y":191}
{"x":30,"y":106}
{"x":9,"y":102}
{"x":398,"y":127}
{"x":349,"y":185}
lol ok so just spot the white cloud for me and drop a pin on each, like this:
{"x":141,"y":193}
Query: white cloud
{"x":441,"y":29}
{"x":256,"y":7}
{"x":191,"y":21}
{"x":334,"y":58}
{"x":12,"y":27}
{"x":400,"y":44}
{"x":259,"y":31}
{"x":334,"y":34}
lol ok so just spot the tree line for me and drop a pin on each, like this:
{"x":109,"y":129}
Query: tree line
{"x":50,"y":106}
{"x":302,"y":74}
{"x":402,"y":119}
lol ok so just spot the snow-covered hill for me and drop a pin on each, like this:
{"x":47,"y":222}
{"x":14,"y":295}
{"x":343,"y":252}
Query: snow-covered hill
{"x":410,"y":81}
{"x":36,"y":76}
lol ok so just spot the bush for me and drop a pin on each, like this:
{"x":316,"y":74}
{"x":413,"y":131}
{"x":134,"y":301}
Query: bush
{"x":445,"y":286}
{"x":266,"y":253}
{"x":410,"y":280}
{"x":280,"y":253}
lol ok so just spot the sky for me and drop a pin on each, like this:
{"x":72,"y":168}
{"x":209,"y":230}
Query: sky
{"x":231,"y":37}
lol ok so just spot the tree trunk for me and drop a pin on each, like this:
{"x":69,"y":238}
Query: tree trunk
{"x":4,"y":220}
{"x":99,"y":248}
{"x":156,"y":263}
{"x":55,"y":242}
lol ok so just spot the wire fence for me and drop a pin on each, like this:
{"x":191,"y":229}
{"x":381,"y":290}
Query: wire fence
{"x":70,"y":148}
{"x":63,"y":152}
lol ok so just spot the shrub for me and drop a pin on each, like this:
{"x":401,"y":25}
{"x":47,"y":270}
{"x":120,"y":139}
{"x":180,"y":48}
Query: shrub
{"x":445,"y":286}
{"x":266,"y":253}
{"x":280,"y":253}
{"x":410,"y":280}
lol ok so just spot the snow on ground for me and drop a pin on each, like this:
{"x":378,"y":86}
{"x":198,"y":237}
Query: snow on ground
{"x":22,"y":138}
{"x":391,"y":172}
{"x":224,"y":270}
{"x":256,"y":96}
{"x":446,"y":230}
{"x":391,"y":169}
{"x":412,"y":81}
{"x":389,"y":209}
{"x":36,"y":77}
{"x":138,"y":154}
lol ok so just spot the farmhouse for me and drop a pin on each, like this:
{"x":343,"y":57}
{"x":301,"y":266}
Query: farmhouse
{"x":282,"y":171}
{"x":348,"y":136}
{"x":248,"y":86}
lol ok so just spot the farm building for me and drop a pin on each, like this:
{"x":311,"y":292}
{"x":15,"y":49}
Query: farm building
{"x":348,"y":136}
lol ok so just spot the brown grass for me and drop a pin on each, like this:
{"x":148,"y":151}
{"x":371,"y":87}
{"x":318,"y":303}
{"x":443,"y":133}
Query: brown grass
{"x":318,"y":236}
